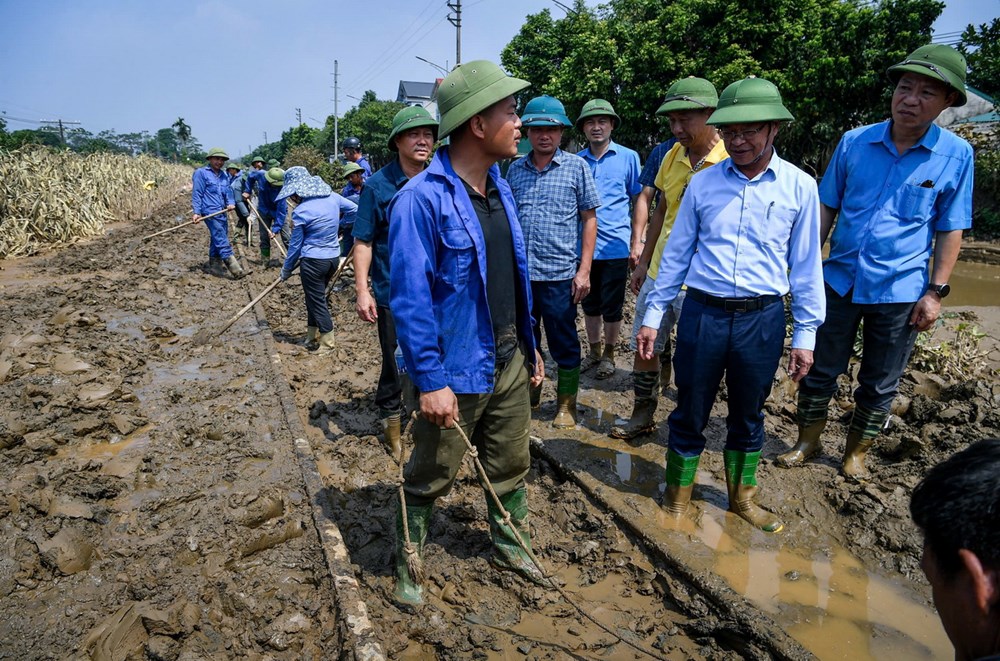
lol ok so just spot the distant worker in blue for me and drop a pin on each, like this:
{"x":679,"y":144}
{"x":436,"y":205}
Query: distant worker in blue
{"x":900,"y":191}
{"x":210,"y":193}
{"x":461,"y":299}
{"x":413,"y":135}
{"x":556,"y":199}
{"x":616,"y":170}
{"x":352,"y":154}
{"x":352,"y":191}
{"x":314,"y":248}
{"x":273,"y":213}
{"x":236,"y":178}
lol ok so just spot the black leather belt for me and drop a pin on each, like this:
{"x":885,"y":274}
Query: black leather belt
{"x":751,"y":304}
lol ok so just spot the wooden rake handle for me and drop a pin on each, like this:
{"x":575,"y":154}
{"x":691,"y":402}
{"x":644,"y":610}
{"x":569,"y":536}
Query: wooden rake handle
{"x":190,"y":222}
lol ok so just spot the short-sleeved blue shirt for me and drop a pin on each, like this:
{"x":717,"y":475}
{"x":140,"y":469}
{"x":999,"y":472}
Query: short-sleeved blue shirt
{"x":648,"y":175}
{"x":617,"y":176}
{"x":890,"y":206}
{"x":549,"y":202}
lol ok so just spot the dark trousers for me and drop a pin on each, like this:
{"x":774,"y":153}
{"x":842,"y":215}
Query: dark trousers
{"x":746,"y":347}
{"x":218,"y":237}
{"x":388,"y":393}
{"x":315,"y":275}
{"x":887,"y":338}
{"x":264,"y":223}
{"x":608,"y":279}
{"x":553,"y":306}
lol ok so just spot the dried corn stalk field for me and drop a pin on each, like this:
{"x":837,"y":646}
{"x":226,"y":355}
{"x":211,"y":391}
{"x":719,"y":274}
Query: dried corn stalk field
{"x":50,"y":197}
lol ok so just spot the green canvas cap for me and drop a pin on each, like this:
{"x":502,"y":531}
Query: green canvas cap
{"x":217,"y":151}
{"x":935,"y":61}
{"x":595,"y":108}
{"x":351,"y":168}
{"x":689,"y":94}
{"x":750,"y":100}
{"x":471,"y":88}
{"x":256,"y":159}
{"x":411,"y":118}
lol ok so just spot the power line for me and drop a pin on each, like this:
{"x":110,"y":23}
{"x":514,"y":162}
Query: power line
{"x":389,"y":62}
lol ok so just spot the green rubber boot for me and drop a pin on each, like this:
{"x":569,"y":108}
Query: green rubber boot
{"x":507,"y":553}
{"x":741,"y":478}
{"x":566,"y":391}
{"x":408,"y":583}
{"x":680,"y":483}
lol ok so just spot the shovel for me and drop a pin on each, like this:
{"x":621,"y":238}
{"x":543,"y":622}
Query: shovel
{"x":190,"y":222}
{"x":205,"y":335}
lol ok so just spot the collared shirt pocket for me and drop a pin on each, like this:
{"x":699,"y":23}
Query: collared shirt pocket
{"x":916,"y":204}
{"x":455,"y":260}
{"x":775,"y":230}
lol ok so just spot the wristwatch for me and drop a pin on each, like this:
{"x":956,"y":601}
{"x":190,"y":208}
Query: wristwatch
{"x":940,"y":290}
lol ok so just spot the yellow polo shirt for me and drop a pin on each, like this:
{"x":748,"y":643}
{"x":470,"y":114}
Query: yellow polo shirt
{"x":672,"y":178}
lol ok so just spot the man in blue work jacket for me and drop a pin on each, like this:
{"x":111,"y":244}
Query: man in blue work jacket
{"x":461,"y":298}
{"x":210,"y":193}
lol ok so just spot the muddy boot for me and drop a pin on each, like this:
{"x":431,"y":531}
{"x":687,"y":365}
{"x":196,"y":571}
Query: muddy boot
{"x":390,"y":433}
{"x":216,"y":267}
{"x":234,"y":268}
{"x":807,"y":447}
{"x":326,"y":344}
{"x":680,"y":483}
{"x":592,"y":358}
{"x":865,"y":427}
{"x":507,"y":553}
{"x":418,"y":520}
{"x":535,"y":395}
{"x":265,"y":257}
{"x":645,"y":387}
{"x":741,"y":480}
{"x":606,"y":367}
{"x":312,"y":338}
{"x":665,"y":371}
{"x":566,"y":390}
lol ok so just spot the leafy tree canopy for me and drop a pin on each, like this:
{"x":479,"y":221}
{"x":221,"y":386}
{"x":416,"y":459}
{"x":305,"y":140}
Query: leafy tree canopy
{"x":371,"y":122}
{"x":981,"y":47}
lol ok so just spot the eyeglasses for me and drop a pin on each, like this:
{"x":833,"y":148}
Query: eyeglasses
{"x":745,"y":135}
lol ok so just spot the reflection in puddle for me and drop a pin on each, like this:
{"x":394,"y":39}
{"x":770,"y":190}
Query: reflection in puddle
{"x":818,"y":591}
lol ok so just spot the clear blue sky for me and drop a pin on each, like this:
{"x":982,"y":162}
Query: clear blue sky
{"x":238,"y":68}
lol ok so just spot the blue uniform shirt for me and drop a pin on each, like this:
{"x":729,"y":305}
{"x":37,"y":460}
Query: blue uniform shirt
{"x":371,"y":224}
{"x":365,"y":165}
{"x":269,"y":206}
{"x":549,"y":203}
{"x":648,"y":175}
{"x":314,"y":234}
{"x":210,"y":192}
{"x":890,"y":207}
{"x":354,"y":195}
{"x":617,"y":176}
{"x":737,"y":238}
{"x":437,"y":257}
{"x":254,"y":181}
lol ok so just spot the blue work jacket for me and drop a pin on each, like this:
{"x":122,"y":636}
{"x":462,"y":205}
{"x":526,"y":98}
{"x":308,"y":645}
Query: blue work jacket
{"x":314,"y":235}
{"x":437,"y":276}
{"x":210,"y":192}
{"x":254,"y":181}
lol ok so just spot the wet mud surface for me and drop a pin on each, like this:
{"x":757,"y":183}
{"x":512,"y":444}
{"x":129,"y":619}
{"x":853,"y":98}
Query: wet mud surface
{"x":153,"y":506}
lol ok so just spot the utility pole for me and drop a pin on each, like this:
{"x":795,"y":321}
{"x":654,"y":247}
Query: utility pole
{"x":60,"y":122}
{"x":336,"y":119}
{"x":456,"y":20}
{"x":265,"y":137}
{"x":298,"y":116}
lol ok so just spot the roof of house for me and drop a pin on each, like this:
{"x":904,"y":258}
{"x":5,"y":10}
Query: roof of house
{"x":411,"y":89}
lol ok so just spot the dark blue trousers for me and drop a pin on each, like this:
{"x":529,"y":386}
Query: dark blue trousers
{"x":745,"y":347}
{"x":887,"y":338}
{"x":315,"y":275}
{"x":552,"y":305}
{"x":218,"y":241}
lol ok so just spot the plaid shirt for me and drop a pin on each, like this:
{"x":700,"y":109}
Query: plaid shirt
{"x":549,"y":204}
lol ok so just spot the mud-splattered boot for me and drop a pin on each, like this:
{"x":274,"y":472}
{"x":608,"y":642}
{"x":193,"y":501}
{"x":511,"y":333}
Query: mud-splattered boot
{"x":234,"y":268}
{"x":665,"y":370}
{"x":741,"y":480}
{"x":418,"y":519}
{"x":645,"y":386}
{"x":216,"y":267}
{"x":680,"y":483}
{"x":327,"y":344}
{"x":566,"y":391}
{"x":265,"y":257}
{"x":606,"y":367}
{"x":390,"y":433}
{"x":592,"y":358}
{"x":507,"y":553}
{"x":810,"y":413}
{"x":312,"y":338}
{"x":865,"y":427}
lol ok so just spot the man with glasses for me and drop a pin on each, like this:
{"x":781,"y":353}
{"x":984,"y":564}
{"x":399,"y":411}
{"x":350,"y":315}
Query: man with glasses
{"x":689,"y":103}
{"x":746,"y":233}
{"x":896,"y":189}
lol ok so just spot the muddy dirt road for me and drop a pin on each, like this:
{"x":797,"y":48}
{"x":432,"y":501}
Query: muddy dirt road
{"x":168,"y":500}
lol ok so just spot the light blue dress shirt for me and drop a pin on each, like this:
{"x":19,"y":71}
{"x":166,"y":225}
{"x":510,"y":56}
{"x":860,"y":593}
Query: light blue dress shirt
{"x":890,"y":206}
{"x":737,"y":238}
{"x":617,"y":175}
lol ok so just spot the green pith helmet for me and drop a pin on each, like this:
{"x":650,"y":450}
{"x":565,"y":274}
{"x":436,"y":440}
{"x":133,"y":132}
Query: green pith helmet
{"x":256,"y":159}
{"x":595,"y":108}
{"x":545,"y":111}
{"x":275,"y":176}
{"x":273,"y":163}
{"x":233,"y":166}
{"x":411,"y":118}
{"x":471,"y":88}
{"x":935,"y":61}
{"x":351,"y":168}
{"x":689,"y":94}
{"x":217,"y":151}
{"x":750,"y":100}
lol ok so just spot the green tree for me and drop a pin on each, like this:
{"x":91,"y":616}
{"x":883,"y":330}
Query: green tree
{"x":299,"y":136}
{"x":371,"y":122}
{"x":183,"y":134}
{"x":828,"y":58}
{"x":312,"y":159}
{"x":981,"y":47}
{"x":165,"y":144}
